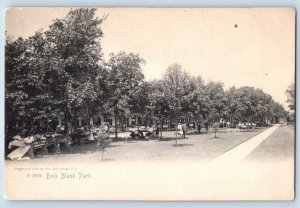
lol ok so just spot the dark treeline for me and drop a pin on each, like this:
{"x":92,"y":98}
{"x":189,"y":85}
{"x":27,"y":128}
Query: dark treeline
{"x":61,"y":71}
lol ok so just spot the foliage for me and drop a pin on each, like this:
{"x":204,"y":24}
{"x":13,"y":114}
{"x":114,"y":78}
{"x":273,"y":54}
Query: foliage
{"x":290,"y":93}
{"x":61,"y":70}
{"x":124,"y":79}
{"x":56,"y":68}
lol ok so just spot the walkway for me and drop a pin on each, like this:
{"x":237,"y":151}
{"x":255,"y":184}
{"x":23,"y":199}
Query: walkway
{"x":240,"y":152}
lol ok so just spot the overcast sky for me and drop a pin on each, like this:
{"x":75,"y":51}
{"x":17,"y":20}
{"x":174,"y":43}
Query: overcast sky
{"x":253,"y":47}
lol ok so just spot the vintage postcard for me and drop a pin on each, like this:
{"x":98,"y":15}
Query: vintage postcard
{"x":149,"y":104}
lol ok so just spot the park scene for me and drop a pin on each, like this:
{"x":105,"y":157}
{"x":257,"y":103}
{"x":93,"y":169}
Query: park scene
{"x":143,"y":98}
{"x":62,"y":97}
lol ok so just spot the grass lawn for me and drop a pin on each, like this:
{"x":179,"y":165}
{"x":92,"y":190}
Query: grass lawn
{"x":202,"y":147}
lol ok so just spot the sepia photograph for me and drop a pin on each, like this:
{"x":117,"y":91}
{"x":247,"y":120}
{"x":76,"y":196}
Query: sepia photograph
{"x":164,"y":104}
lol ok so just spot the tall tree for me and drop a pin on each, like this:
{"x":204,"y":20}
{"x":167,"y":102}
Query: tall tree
{"x":74,"y":53}
{"x":124,"y":77}
{"x":27,"y":97}
{"x":196,"y":100}
{"x":159,"y":103}
{"x":216,"y":101}
{"x":139,"y":100}
{"x":177,"y":87}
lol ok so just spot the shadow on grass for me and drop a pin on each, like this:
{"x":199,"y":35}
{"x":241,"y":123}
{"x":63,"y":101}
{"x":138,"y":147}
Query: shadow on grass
{"x":85,"y":148}
{"x":136,"y":140}
{"x":129,"y":141}
{"x":217,"y":137}
{"x":106,"y":160}
{"x":133,"y":140}
{"x":113,"y":145}
{"x":181,"y":145}
{"x":173,"y":138}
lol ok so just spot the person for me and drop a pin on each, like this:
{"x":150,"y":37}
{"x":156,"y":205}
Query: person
{"x":132,"y":135}
{"x":184,"y":129}
{"x":155,"y":130}
{"x":148,"y":134}
{"x":221,"y":123}
{"x":206,"y":126}
{"x":106,"y":127}
{"x":179,"y":128}
{"x":91,"y":136}
{"x":149,"y":131}
{"x":141,"y":134}
{"x":199,"y":127}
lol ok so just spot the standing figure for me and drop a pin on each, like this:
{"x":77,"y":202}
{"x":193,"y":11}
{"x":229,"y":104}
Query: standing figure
{"x":103,"y":137}
{"x":132,"y":135}
{"x":199,"y":127}
{"x":179,"y":128}
{"x":184,"y":129}
{"x":206,"y":126}
{"x":155,"y":130}
{"x":106,"y":127}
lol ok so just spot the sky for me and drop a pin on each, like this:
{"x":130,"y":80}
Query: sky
{"x":239,"y":47}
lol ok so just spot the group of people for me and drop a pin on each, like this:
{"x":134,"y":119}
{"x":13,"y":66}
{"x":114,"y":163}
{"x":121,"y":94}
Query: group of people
{"x":152,"y":131}
{"x":245,"y":125}
{"x":182,"y":128}
{"x":198,"y":124}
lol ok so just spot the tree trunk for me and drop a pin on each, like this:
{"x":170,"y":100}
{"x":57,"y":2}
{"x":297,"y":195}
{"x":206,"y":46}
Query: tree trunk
{"x":176,"y":129}
{"x":68,"y":127}
{"x":138,"y":122}
{"x":215,"y":132}
{"x":122,"y":126}
{"x":67,"y":121}
{"x":161,"y":127}
{"x":75,"y":126}
{"x":126,"y":127}
{"x":116,"y":131}
{"x":88,"y":117}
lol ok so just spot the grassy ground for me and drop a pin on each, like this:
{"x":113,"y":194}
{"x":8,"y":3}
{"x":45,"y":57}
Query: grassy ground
{"x":202,"y":147}
{"x":161,"y":170}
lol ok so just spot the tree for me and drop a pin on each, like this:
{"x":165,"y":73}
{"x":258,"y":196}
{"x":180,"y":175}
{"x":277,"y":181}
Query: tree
{"x":159,"y":103}
{"x":27,"y":99}
{"x":247,"y":104}
{"x":177,"y":89}
{"x":215,"y":103}
{"x":73,"y":56}
{"x":124,"y":77}
{"x":196,"y":100}
{"x":262,"y":109}
{"x":277,"y":111}
{"x":290,"y":93}
{"x":231,"y":106}
{"x":14,"y":71}
{"x":139,"y":100}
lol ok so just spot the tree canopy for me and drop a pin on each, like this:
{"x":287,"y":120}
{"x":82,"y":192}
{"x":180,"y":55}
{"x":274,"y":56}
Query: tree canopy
{"x":61,"y":70}
{"x":290,"y":93}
